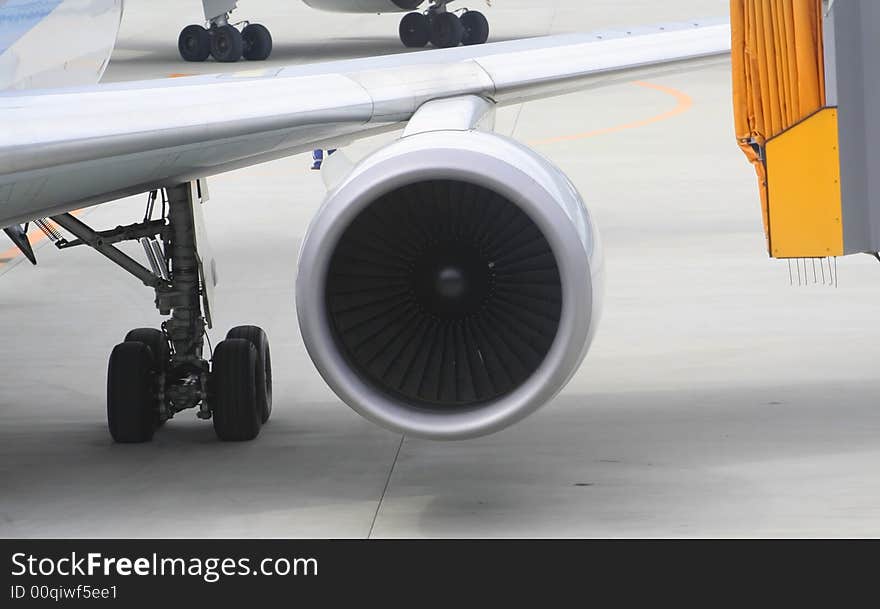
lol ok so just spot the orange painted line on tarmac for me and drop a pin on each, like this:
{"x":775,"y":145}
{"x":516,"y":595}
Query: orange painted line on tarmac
{"x":685,"y":103}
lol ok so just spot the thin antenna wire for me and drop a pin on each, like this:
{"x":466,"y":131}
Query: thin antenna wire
{"x":836,"y":284}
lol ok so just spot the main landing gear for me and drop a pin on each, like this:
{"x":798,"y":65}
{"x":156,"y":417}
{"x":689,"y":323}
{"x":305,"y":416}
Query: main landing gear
{"x":222,"y":40}
{"x":443,"y":28}
{"x":156,"y":373}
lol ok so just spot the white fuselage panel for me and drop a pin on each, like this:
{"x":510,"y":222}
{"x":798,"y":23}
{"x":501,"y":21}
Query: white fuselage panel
{"x":56,"y":43}
{"x":363,"y":6}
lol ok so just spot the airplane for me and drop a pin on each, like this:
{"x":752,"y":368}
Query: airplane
{"x":228,"y":42}
{"x":449,"y":285}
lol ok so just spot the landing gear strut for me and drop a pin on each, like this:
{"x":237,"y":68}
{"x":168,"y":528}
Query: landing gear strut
{"x":156,"y":373}
{"x":223,"y":40}
{"x":443,"y":28}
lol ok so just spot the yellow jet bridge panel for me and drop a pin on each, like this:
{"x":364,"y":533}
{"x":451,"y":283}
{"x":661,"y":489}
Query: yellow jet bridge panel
{"x":778,"y":81}
{"x":803,"y":178}
{"x":806,"y":98}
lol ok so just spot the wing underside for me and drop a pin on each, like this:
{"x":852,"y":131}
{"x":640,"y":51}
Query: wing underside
{"x":62,"y":149}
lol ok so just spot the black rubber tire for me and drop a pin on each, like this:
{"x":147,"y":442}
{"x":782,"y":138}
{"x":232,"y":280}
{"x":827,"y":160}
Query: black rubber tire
{"x":131,"y":409}
{"x":446,"y":30}
{"x":226,"y":44}
{"x":194,"y":43}
{"x":415,"y":31}
{"x":257,"y":337}
{"x":257,"y":42}
{"x":161,"y":353}
{"x":155,"y":340}
{"x":234,"y":391}
{"x":476,"y":28}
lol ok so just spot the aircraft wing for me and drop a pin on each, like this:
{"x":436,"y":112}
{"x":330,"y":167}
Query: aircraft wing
{"x":67,"y":148}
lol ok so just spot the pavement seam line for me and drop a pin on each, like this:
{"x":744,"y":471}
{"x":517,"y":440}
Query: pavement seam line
{"x":385,"y":489}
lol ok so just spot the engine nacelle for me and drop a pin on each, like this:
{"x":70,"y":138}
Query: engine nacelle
{"x":365,"y":6}
{"x":450,"y":285}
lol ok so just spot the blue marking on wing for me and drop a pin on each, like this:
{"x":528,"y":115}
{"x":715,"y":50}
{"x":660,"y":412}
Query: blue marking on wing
{"x":18,"y":17}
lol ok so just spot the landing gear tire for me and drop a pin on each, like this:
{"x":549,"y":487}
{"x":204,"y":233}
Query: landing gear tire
{"x":158,"y":344}
{"x":446,"y":30}
{"x":415,"y":30}
{"x":257,"y":337}
{"x":155,"y":340}
{"x":476,"y":28}
{"x":236,"y":413}
{"x":257,"y":42}
{"x":194,"y":43}
{"x":131,"y":405}
{"x":227,"y":45}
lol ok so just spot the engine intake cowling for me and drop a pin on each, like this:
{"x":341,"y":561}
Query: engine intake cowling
{"x":450,"y":285}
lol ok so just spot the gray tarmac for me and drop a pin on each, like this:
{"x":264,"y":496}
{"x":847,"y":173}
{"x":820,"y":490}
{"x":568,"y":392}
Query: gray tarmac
{"x":717,"y":399}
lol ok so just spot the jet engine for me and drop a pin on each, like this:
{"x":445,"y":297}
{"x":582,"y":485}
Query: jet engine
{"x":450,"y":285}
